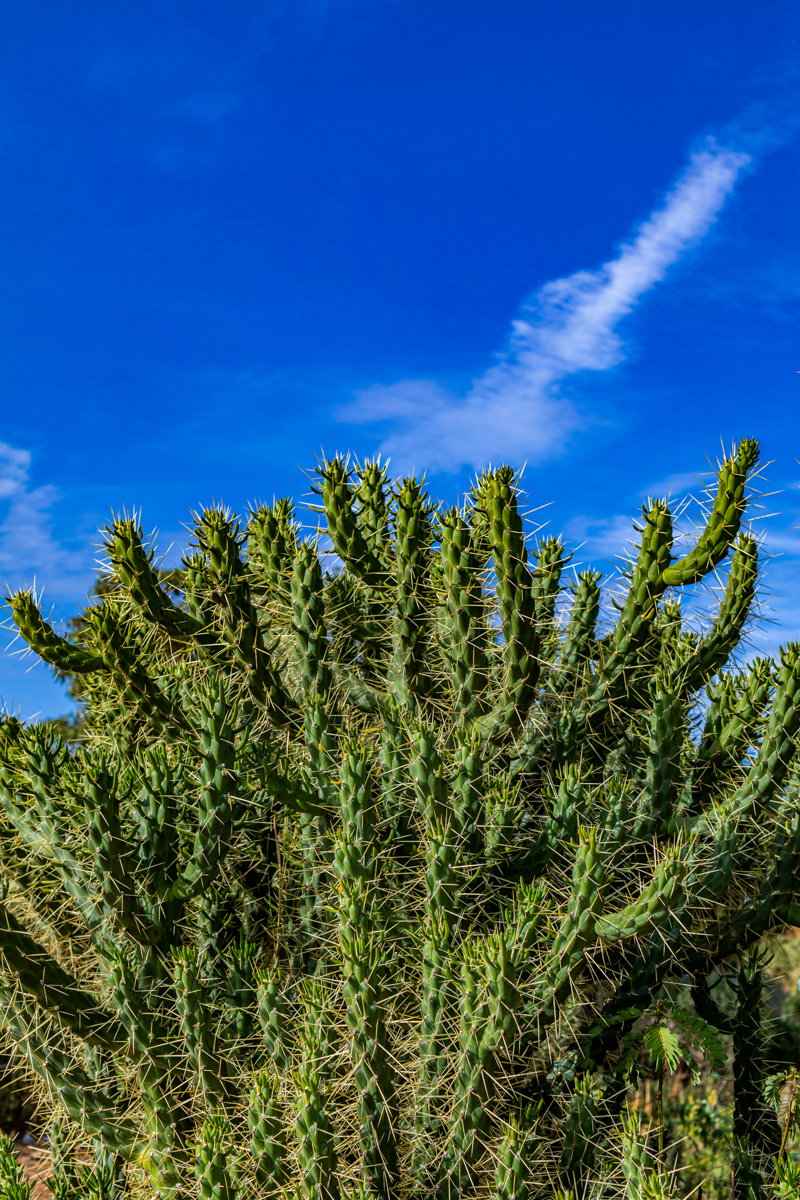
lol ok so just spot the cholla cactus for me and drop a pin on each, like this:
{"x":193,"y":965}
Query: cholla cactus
{"x":360,"y":879}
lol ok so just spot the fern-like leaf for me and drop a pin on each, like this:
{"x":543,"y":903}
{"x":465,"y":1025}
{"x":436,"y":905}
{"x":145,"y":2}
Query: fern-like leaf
{"x":663,"y":1047}
{"x":700,"y":1035}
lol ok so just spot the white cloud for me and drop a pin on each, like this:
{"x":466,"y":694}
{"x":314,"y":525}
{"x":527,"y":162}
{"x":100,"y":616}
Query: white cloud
{"x":27,"y":545}
{"x":14,"y":467}
{"x":516,"y":410}
{"x":781,"y":542}
{"x":601,"y":540}
{"x":676,"y":486}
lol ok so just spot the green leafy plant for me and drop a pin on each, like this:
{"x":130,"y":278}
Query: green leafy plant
{"x":367,"y":868}
{"x":12,"y":1176}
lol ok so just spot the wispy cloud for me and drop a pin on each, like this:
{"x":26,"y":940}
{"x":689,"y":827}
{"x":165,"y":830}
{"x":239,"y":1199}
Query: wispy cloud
{"x":28,"y":546}
{"x":517,"y":410}
{"x":602,"y":540}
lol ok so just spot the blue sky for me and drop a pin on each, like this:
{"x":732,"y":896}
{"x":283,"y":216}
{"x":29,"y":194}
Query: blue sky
{"x":236,"y":233}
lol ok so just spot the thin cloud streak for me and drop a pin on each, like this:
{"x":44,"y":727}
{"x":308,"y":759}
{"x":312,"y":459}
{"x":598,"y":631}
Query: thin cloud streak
{"x":516,"y":409}
{"x":27,"y":544}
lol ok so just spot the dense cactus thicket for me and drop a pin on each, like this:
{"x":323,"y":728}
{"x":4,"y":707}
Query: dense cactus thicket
{"x":385,"y":878}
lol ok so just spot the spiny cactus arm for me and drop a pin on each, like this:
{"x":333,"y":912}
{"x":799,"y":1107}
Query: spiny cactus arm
{"x":374,"y":514}
{"x":198,"y":594}
{"x":271,"y":540}
{"x":638,"y":1166}
{"x":41,"y":830}
{"x":240,"y":998}
{"x":344,"y":527}
{"x":112,"y":856}
{"x":489,"y":1000}
{"x":156,"y":810}
{"x":42,"y":638}
{"x":54,"y":989}
{"x":709,"y":761}
{"x":464,"y":1146}
{"x":355,"y":856}
{"x":311,"y":656}
{"x":658,"y":900}
{"x":319,"y":732}
{"x":775,"y":754}
{"x":414,"y":599}
{"x":524,"y":918}
{"x":214,"y":1171}
{"x":504,"y":816}
{"x":316,"y":1148}
{"x":521,"y":640}
{"x":570,"y":804}
{"x":168,"y":1131}
{"x":578,"y":645}
{"x":713,"y":651}
{"x":750,"y":1116}
{"x":355,"y":690}
{"x":426,"y":770}
{"x":195,"y":1020}
{"x":90,"y":1108}
{"x":578,"y":1152}
{"x":733,"y":721}
{"x":546,"y":586}
{"x":133,"y":566}
{"x":434,"y":1014}
{"x":219,"y":783}
{"x":467,"y":789}
{"x":436,"y":991}
{"x":513,"y":1170}
{"x":308,"y":621}
{"x":663,"y":769}
{"x":149,"y":1042}
{"x":675,"y":642}
{"x":578,"y":928}
{"x":395,"y":781}
{"x":122,"y":657}
{"x":622,"y":653}
{"x":750,"y":699}
{"x":503,"y":999}
{"x":219,"y":538}
{"x":272,"y":1018}
{"x":468,"y":632}
{"x":723,"y":522}
{"x":363,"y":970}
{"x":265,"y":1120}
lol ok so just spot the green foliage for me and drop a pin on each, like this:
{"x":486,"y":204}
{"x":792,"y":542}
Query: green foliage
{"x":378,"y":880}
{"x":663,"y":1047}
{"x":12,"y":1177}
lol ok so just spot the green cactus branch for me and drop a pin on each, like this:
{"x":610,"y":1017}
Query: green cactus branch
{"x":44,"y":641}
{"x":724,"y":519}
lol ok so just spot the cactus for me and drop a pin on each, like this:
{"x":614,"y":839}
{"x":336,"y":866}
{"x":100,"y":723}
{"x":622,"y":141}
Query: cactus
{"x":362,"y":877}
